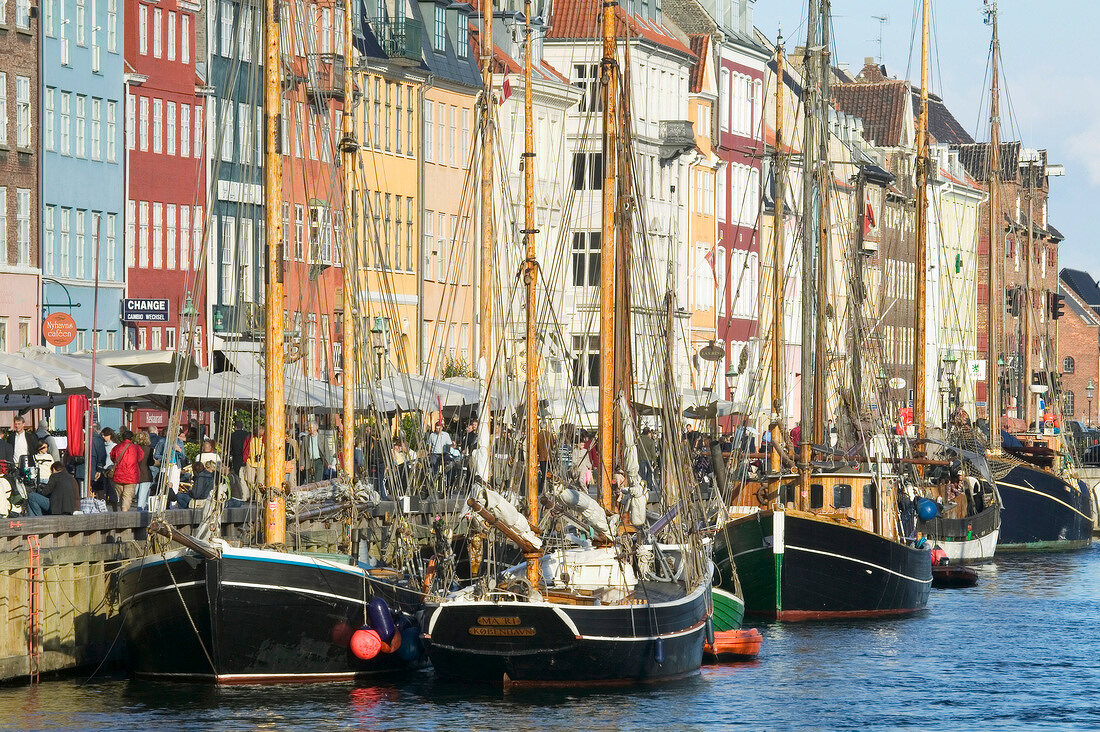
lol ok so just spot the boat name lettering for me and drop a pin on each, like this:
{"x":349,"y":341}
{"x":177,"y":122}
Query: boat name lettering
{"x":494,"y":620}
{"x":520,"y":632}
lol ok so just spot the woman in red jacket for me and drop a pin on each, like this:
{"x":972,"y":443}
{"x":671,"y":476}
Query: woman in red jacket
{"x":126,"y":456}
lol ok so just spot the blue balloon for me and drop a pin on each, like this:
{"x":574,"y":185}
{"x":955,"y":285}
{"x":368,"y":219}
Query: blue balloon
{"x":927,"y":509}
{"x":410,"y":649}
{"x":381,"y":619}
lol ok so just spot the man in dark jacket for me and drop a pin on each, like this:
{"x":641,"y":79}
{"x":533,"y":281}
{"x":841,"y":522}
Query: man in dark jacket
{"x":237,"y":442}
{"x":61,"y":490}
{"x":202,"y":485}
{"x":23,"y":441}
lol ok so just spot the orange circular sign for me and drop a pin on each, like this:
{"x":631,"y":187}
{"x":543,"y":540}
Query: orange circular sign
{"x":59,"y":329}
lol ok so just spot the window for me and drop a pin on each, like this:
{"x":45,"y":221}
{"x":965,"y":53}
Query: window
{"x":817,"y":496}
{"x":409,"y":234}
{"x":198,"y":131}
{"x":158,"y":125}
{"x":22,"y":226}
{"x":397,"y":248}
{"x":143,"y":28}
{"x":440,"y":35}
{"x":110,"y":242}
{"x":244,"y":257}
{"x":227,"y":133}
{"x":185,"y":233}
{"x":95,"y":40}
{"x":79,"y":245}
{"x":170,"y":133}
{"x":440,"y":121}
{"x":452,"y":137}
{"x":23,"y":111}
{"x":586,"y":259}
{"x":157,"y":21}
{"x":49,"y":123}
{"x":244,"y":132}
{"x":3,"y":225}
{"x":409,"y":120}
{"x":112,"y":151}
{"x":185,"y":128}
{"x":158,"y":236}
{"x":143,"y":235}
{"x":868,"y":495}
{"x":299,"y":230}
{"x":97,"y":129}
{"x":170,"y":240}
{"x":586,"y":77}
{"x":1067,"y":365}
{"x":112,"y":26}
{"x":587,"y":171}
{"x":842,"y":495}
{"x":428,"y":130}
{"x":131,"y":239}
{"x":63,"y":260}
{"x":3,"y":108}
{"x":171,"y":35}
{"x":244,"y":32}
{"x":81,"y":102}
{"x":48,"y":243}
{"x":724,"y":101}
{"x":47,"y":16}
{"x":143,"y":124}
{"x":720,"y":278}
{"x":464,"y":151}
{"x":463,"y":39}
{"x":81,"y":23}
{"x":228,"y":249}
{"x":185,"y":38}
{"x":63,"y":35}
{"x":586,"y":360}
{"x":169,"y":332}
{"x":66,"y":127}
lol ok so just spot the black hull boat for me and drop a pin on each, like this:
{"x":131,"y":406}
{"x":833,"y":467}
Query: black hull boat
{"x":969,"y":540}
{"x":258,"y":616}
{"x":548,"y":643}
{"x":1041,"y":511}
{"x":796,"y":566}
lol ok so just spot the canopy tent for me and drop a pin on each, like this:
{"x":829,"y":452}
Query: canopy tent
{"x":22,"y":376}
{"x":110,"y":382}
{"x":160,"y":367}
{"x":301,"y":391}
{"x":205,"y":390}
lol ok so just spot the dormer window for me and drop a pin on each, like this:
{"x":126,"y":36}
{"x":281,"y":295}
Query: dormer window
{"x":463,"y":40}
{"x":440,"y":39}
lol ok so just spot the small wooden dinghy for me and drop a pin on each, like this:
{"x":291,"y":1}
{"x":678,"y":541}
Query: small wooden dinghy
{"x":949,"y":576}
{"x":733,"y":645}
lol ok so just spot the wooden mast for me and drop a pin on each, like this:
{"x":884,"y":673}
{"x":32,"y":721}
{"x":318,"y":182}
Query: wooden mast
{"x":530,"y":280}
{"x":780,"y":172}
{"x":274,"y":398}
{"x":810,"y":79}
{"x":995,"y":301}
{"x":920,"y":329}
{"x":814,"y":431}
{"x":610,"y":83}
{"x":485,"y":289}
{"x":351,"y":259}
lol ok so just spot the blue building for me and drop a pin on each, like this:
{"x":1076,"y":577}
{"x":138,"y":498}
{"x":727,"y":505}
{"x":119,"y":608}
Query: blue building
{"x":82,"y":165}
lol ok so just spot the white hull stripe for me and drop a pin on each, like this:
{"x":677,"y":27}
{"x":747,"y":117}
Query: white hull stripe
{"x":166,"y":588}
{"x":677,"y":634}
{"x":1045,"y":495}
{"x":750,"y":551}
{"x":859,"y":561}
{"x":332,"y":676}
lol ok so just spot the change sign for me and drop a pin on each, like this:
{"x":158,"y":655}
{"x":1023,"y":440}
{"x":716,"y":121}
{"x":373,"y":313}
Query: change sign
{"x":137,"y":310}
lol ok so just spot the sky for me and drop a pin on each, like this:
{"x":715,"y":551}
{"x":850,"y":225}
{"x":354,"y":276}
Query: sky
{"x":1050,"y":91}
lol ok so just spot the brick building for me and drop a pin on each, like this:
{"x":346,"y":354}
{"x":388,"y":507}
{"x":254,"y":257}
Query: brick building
{"x":1079,"y":345}
{"x":19,"y":165}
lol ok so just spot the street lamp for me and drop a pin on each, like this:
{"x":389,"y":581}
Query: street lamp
{"x":950,"y":363}
{"x":1090,"y":389}
{"x":378,"y":341}
{"x":731,"y":381}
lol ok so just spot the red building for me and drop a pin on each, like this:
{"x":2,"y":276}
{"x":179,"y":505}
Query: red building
{"x":165,"y":172}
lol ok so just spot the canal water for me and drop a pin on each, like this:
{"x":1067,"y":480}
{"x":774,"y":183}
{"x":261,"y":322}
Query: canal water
{"x":1020,"y":651}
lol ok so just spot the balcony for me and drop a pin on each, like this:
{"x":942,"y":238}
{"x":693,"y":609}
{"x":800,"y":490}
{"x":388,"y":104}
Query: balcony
{"x":325,"y":75}
{"x":401,"y":40}
{"x":677,"y":136}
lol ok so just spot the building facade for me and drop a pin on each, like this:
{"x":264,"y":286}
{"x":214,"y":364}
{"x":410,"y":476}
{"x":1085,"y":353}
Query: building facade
{"x":165,"y":174}
{"x":83,"y":167}
{"x":1079,"y":346}
{"x":20,"y":161}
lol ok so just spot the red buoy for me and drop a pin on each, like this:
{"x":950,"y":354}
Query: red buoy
{"x":365,"y":644}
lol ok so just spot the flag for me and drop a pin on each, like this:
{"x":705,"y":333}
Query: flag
{"x":868,"y":219}
{"x":710,"y":260}
{"x":505,"y":91}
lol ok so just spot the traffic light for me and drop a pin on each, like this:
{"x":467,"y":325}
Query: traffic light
{"x":1012,"y":301}
{"x":1057,"y":305}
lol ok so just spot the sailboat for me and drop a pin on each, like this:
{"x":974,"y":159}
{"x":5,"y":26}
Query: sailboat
{"x":1045,"y":506}
{"x":825,"y":540}
{"x":209,"y":611}
{"x":622,"y":608}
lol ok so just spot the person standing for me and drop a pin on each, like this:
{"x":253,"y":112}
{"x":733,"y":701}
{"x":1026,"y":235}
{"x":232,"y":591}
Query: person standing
{"x":23,"y":442}
{"x":253,"y":473}
{"x":647,"y":454}
{"x":314,"y":453}
{"x":439,"y":443}
{"x":126,"y":456}
{"x":291,"y":468}
{"x":145,"y":469}
{"x":237,"y":483}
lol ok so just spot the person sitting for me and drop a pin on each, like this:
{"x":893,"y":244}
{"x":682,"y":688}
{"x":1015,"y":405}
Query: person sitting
{"x":62,"y":490}
{"x":202,"y":484}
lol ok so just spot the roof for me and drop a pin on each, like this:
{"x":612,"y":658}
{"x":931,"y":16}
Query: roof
{"x":1077,"y":305}
{"x":699,"y":45}
{"x":881,"y":106}
{"x":1083,"y":285}
{"x":503,"y":63}
{"x":580,"y":20}
{"x":942,"y":125}
{"x":974,"y":157}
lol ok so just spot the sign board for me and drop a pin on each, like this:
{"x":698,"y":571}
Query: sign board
{"x":59,"y":329}
{"x":145,"y":311}
{"x":712,"y":353}
{"x":897,"y":383}
{"x":976,"y":369}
